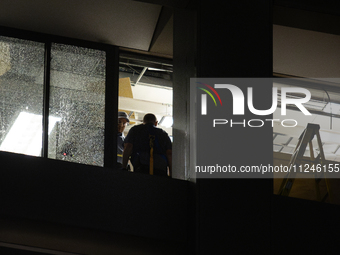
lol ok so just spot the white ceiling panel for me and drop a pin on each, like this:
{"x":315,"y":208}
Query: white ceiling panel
{"x":305,"y":53}
{"x":124,"y":23}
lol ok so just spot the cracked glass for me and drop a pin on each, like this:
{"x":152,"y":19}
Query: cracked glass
{"x":77,"y":101}
{"x":21,"y":95}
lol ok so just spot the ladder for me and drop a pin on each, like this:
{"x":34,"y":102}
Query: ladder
{"x":296,"y":161}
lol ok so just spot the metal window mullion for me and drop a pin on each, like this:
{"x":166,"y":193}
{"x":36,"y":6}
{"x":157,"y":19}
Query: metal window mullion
{"x":46,"y":98}
{"x":111,"y":107}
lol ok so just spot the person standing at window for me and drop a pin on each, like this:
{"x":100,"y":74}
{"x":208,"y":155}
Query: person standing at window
{"x":123,"y":120}
{"x":150,"y":148}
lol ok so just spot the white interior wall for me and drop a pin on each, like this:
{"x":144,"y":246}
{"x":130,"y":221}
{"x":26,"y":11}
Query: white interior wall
{"x":305,"y":53}
{"x":308,"y":54}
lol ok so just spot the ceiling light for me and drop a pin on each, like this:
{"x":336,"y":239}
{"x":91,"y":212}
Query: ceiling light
{"x":166,"y":121}
{"x":156,"y":69}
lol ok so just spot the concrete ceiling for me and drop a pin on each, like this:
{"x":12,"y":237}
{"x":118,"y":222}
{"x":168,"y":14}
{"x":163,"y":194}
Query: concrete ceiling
{"x":130,"y":24}
{"x":144,"y":25}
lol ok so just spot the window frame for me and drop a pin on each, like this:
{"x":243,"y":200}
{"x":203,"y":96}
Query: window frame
{"x":111,"y":85}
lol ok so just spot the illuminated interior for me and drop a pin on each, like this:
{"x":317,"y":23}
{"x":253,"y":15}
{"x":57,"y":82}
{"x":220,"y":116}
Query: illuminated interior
{"x":324,"y":112}
{"x":324,"y":109}
{"x":76,"y":98}
{"x":146,"y":87}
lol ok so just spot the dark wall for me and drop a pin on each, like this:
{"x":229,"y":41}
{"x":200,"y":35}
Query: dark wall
{"x":304,"y":227}
{"x":241,"y":216}
{"x":11,"y":251}
{"x":93,"y":197}
{"x":235,"y":40}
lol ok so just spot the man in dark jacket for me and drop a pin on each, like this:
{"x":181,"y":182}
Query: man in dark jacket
{"x":123,"y":120}
{"x":150,"y":148}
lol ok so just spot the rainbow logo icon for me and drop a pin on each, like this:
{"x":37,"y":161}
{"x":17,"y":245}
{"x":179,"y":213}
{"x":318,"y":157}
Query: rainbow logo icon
{"x":209,"y":93}
{"x":204,"y":97}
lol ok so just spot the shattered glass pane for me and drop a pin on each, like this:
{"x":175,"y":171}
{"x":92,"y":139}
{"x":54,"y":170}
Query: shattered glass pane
{"x":21,"y":95}
{"x":78,"y":99}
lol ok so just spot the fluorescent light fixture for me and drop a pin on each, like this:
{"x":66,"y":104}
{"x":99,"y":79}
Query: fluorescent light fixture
{"x":166,"y":121}
{"x":25,"y":136}
{"x":156,"y":69}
